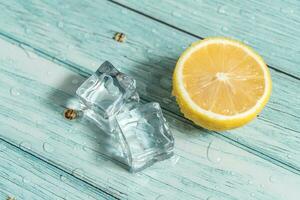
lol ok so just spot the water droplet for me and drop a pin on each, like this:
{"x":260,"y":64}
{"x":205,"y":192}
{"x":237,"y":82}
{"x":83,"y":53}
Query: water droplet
{"x":289,"y":156}
{"x":194,"y":12}
{"x":272,"y":179}
{"x":27,"y":30}
{"x":69,"y":46}
{"x":246,"y":42}
{"x":261,"y":186}
{"x":78,"y":172}
{"x":47,"y":147}
{"x":62,"y":178}
{"x":157,"y":44}
{"x":252,"y":194}
{"x":49,"y":73}
{"x":176,"y":14}
{"x":86,"y":35}
{"x":250,"y":182}
{"x":2,"y":147}
{"x":94,"y":64}
{"x":154,"y":30}
{"x":149,"y":51}
{"x":75,"y":81}
{"x":224,"y":29}
{"x":247,"y":14}
{"x":124,"y":11}
{"x":211,"y":154}
{"x":25,"y":180}
{"x":232,"y":173}
{"x":222,"y":10}
{"x":85,"y":148}
{"x":287,"y":11}
{"x":186,"y":182}
{"x":25,"y":145}
{"x":60,"y":24}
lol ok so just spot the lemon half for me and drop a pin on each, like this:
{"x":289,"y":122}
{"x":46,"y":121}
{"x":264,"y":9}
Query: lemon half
{"x":220,"y":83}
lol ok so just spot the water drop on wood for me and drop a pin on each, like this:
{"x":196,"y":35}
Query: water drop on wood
{"x":27,"y":30}
{"x":272,"y":179}
{"x":154,"y":30}
{"x":60,"y":24}
{"x":62,"y":178}
{"x":124,"y":11}
{"x":224,"y":29}
{"x":85,"y":148}
{"x":211,"y":154}
{"x":176,"y":14}
{"x":222,"y":10}
{"x":47,"y":147}
{"x":25,"y":180}
{"x":25,"y":145}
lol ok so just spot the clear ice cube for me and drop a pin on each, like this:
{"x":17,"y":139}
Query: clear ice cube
{"x":136,"y":135}
{"x":106,"y":90}
{"x":147,"y":135}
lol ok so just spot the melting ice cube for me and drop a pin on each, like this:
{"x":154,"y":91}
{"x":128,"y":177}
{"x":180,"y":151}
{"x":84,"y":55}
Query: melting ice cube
{"x":106,"y":90}
{"x":147,"y":134}
{"x":137,"y":135}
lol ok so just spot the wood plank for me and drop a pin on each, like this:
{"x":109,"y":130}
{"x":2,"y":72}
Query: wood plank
{"x":34,"y":94}
{"x":271,"y":27}
{"x":149,"y":55}
{"x":24,"y":176}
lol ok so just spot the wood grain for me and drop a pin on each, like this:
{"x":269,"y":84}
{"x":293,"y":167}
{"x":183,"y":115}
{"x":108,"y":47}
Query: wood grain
{"x":24,"y":176}
{"x":33,"y":98}
{"x":149,"y":54}
{"x":271,"y":27}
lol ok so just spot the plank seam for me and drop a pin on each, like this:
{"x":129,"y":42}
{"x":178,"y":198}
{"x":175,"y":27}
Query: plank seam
{"x":85,"y":73}
{"x":56,"y":167}
{"x":240,"y":145}
{"x":186,"y":32}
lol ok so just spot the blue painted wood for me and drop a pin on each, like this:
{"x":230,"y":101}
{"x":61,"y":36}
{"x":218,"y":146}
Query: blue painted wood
{"x":33,"y":98}
{"x":271,"y":27}
{"x":23,"y":176}
{"x":84,"y":41}
{"x":205,"y":166}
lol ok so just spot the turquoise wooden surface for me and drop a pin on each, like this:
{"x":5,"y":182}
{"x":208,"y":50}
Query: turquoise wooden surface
{"x":24,"y":176}
{"x":47,"y":50}
{"x":271,"y":26}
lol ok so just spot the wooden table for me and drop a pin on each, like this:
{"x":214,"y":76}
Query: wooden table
{"x":49,"y":47}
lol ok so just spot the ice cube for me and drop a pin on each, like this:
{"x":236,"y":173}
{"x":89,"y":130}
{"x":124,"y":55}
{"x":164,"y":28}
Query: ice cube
{"x":147,"y":134}
{"x":133,"y":134}
{"x":107,"y":90}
